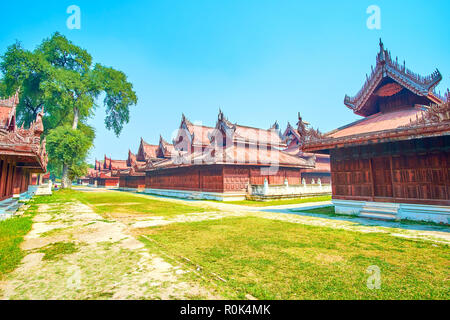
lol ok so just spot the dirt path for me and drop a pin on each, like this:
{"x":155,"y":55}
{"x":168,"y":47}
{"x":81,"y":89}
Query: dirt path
{"x":74,"y":253}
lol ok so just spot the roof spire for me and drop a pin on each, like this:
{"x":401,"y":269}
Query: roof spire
{"x":275,"y":126}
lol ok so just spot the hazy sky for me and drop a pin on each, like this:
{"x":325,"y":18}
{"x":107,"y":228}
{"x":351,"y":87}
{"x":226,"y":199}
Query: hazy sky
{"x":259,"y":61}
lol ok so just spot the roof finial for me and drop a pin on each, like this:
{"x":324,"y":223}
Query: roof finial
{"x":381,"y":46}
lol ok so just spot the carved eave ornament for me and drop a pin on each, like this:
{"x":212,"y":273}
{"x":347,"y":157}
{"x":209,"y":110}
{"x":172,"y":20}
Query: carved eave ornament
{"x":386,"y":67}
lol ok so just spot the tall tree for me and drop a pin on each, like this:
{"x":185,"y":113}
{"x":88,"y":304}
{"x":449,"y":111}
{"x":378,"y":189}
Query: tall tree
{"x":61,"y":77}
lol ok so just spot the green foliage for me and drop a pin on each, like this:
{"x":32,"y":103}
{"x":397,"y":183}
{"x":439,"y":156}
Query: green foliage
{"x":78,"y":170}
{"x":61,"y":77}
{"x":119,"y":95}
{"x":66,"y":145}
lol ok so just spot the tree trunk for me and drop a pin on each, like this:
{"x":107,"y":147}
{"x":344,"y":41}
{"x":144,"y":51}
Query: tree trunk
{"x":65,"y":181}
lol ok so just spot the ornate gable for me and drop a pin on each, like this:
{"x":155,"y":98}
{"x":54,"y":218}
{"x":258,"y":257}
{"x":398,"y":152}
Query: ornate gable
{"x":131,"y":158}
{"x":391,"y":86}
{"x":146,"y":151}
{"x":235,"y":133}
{"x":24,"y":144}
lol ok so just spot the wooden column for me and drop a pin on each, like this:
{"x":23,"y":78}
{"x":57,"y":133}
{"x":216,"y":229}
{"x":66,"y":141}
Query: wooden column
{"x":371,"y":178}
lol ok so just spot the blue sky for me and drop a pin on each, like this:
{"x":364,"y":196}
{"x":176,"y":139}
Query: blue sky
{"x":259,"y":61}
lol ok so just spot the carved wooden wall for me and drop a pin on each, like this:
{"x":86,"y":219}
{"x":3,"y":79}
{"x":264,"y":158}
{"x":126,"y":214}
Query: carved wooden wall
{"x":217,"y":178}
{"x":137,"y":182}
{"x":414,"y":172}
{"x":109,"y":182}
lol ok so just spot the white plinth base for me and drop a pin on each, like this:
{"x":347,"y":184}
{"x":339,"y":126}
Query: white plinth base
{"x":198,"y":195}
{"x":396,"y":211}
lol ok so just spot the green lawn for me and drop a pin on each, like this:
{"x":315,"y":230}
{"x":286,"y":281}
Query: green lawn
{"x":268,"y":259}
{"x":122,"y":203}
{"x":12,"y":231}
{"x":272,"y":259}
{"x":279,"y":202}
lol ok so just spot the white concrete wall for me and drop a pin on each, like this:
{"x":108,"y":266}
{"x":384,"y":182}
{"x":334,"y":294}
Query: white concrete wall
{"x":198,"y":195}
{"x":300,"y":190}
{"x":407,"y":211}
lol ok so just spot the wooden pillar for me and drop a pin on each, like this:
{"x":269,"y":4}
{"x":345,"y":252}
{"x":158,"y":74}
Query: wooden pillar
{"x":392,"y":177}
{"x":372,"y":180}
{"x":3,"y":175}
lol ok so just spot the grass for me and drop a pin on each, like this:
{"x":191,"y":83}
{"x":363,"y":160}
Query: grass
{"x":324,"y":210}
{"x":121,"y":203}
{"x":54,"y":250}
{"x":268,"y":259}
{"x":12,"y":231}
{"x":279,"y":202}
{"x":272,"y":259}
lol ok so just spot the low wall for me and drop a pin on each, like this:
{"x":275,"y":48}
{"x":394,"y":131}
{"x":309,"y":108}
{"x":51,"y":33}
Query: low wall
{"x":288,"y":191}
{"x":44,"y":189}
{"x":395,"y":211}
{"x":198,"y":195}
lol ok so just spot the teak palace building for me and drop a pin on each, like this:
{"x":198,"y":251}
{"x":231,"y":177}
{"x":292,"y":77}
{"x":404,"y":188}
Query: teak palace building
{"x":22,"y":154}
{"x":227,"y":162}
{"x":393,"y":163}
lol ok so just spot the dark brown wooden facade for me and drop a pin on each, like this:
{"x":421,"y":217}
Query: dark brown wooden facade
{"x":400,"y":151}
{"x":218,"y":178}
{"x":412,"y":171}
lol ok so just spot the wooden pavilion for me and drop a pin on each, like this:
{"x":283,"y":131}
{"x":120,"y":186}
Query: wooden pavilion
{"x":22,"y":153}
{"x":394,"y":163}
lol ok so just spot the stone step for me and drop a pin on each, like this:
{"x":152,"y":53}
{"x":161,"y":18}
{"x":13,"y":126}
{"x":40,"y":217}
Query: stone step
{"x":9,"y":207}
{"x":378,"y":215}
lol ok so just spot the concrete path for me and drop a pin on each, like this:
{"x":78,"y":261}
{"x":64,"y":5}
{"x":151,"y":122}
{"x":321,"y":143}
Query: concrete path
{"x":105,"y":261}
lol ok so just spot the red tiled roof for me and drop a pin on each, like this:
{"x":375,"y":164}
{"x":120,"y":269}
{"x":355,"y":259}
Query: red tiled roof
{"x":235,"y":155}
{"x":435,"y":121}
{"x":118,"y":164}
{"x":200,"y":134}
{"x":258,"y":136}
{"x":377,"y":122}
{"x":150,"y":150}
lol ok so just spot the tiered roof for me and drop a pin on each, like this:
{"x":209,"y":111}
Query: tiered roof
{"x":24,"y":144}
{"x":196,"y":135}
{"x":389,"y":78}
{"x":248,"y":146}
{"x":412,"y":109}
{"x":295,"y":138}
{"x":165,"y":149}
{"x":8,"y":112}
{"x":131,"y":158}
{"x":239,"y":134}
{"x":146,"y":151}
